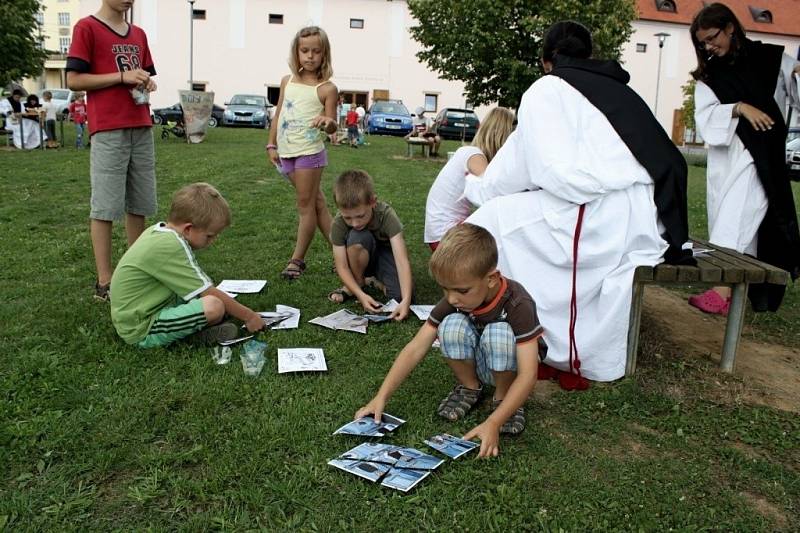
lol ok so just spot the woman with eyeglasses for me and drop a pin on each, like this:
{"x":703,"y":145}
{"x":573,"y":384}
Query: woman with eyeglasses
{"x":742,"y":94}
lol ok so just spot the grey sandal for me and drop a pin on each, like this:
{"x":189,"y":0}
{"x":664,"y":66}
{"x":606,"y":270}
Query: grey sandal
{"x":459,"y":402}
{"x":515,"y":423}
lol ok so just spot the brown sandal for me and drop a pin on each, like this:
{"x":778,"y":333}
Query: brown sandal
{"x":294,"y":269}
{"x":459,"y":402}
{"x":341,"y":293}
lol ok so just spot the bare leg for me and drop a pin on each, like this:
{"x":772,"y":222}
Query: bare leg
{"x":465,"y":372}
{"x":725,"y":292}
{"x":134,"y":226}
{"x":324,"y":219}
{"x":213,"y":308}
{"x":502,"y":382}
{"x":100,"y":231}
{"x":306,"y":183}
{"x":357,"y":260}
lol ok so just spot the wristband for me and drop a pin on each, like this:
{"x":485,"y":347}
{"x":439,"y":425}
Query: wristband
{"x":272,"y":147}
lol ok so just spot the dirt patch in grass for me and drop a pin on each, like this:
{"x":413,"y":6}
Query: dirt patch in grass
{"x":766,"y":509}
{"x":770,"y":373}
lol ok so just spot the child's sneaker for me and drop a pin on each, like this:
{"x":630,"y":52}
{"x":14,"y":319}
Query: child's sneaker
{"x":215,"y":334}
{"x":459,"y":402}
{"x":515,"y":423}
{"x":102,"y":292}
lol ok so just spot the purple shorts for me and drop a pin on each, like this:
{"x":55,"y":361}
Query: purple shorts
{"x":290,"y":164}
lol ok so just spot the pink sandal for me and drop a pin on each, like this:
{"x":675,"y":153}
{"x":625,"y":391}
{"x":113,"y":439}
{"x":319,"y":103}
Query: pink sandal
{"x":711,"y":302}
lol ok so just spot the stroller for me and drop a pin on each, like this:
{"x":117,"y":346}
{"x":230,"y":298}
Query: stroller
{"x":176,"y":128}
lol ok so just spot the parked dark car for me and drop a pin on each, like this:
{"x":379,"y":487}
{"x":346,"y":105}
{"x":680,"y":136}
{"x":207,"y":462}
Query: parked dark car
{"x":247,"y":110}
{"x":455,"y":123}
{"x":174,"y":113}
{"x":388,"y":116}
{"x":793,"y":154}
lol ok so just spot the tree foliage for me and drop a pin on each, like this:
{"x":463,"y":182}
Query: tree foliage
{"x":688,"y":103}
{"x":21,"y":54}
{"x":493,"y":46}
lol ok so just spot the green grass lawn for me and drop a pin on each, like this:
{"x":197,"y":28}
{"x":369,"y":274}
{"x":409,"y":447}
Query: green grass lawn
{"x":97,"y":435}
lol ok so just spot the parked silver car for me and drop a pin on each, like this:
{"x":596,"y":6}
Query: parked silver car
{"x":247,"y":110}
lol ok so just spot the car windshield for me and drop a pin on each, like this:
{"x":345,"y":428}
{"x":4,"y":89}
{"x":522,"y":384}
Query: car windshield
{"x":458,"y":114}
{"x":390,"y":108}
{"x":59,"y":94}
{"x":793,"y":134}
{"x":794,"y":144}
{"x":242,"y":99}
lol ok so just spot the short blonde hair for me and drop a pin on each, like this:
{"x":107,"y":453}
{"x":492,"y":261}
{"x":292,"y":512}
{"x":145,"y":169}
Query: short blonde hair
{"x":201,"y":205}
{"x":493,"y":131}
{"x":353,"y":188}
{"x":325,"y":68}
{"x":465,"y":251}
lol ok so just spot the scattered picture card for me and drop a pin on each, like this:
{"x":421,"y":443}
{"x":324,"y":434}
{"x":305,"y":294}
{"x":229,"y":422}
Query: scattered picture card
{"x":293,"y":322}
{"x":404,"y":479}
{"x":389,"y":306}
{"x":377,"y":318}
{"x":367,"y":427}
{"x":242,"y":286}
{"x":231,"y":342}
{"x":343,"y":320}
{"x":371,"y":471}
{"x":451,"y":446}
{"x":396,"y":456}
{"x":273,"y":319}
{"x":301,"y":360}
{"x":422,"y":311}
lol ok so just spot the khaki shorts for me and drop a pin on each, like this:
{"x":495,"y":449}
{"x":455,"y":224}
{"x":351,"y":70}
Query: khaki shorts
{"x":123,"y":174}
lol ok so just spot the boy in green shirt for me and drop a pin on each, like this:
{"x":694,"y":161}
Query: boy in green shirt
{"x":160,"y":293}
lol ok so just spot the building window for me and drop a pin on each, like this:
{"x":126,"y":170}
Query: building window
{"x":199,"y":14}
{"x":431,"y":102}
{"x":39,"y":18}
{"x":275,"y":18}
{"x":667,"y":6}
{"x":357,"y":24}
{"x":761,"y":15}
{"x":63,"y":19}
{"x":63,"y":44}
{"x":198,"y":86}
{"x":641,"y":47}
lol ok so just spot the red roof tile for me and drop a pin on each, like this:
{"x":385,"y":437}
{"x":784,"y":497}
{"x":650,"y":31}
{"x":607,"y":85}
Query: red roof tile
{"x":785,"y":14}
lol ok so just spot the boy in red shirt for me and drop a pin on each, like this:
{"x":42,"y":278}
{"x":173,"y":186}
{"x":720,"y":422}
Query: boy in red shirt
{"x":110,"y":59}
{"x":352,"y":126}
{"x":78,"y":115}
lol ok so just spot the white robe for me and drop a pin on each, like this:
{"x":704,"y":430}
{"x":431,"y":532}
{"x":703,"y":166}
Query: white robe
{"x":30,"y":129}
{"x":735,"y":199}
{"x":564,"y":153}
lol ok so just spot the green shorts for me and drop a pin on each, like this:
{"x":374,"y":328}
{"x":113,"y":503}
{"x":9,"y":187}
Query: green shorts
{"x":174,"y":323}
{"x":123,"y":174}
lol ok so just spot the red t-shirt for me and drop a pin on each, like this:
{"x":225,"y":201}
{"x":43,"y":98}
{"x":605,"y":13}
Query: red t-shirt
{"x":77,"y":112}
{"x":352,"y":117}
{"x":97,"y":49}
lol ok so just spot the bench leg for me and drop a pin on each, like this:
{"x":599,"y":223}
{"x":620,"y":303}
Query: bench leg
{"x":409,"y":150}
{"x":733,"y":329}
{"x":633,"y":327}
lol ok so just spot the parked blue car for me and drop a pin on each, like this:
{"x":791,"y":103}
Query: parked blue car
{"x":388,"y":116}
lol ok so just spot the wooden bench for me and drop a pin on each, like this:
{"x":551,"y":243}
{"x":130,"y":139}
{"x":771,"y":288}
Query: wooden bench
{"x":411,"y":142}
{"x":720,"y":267}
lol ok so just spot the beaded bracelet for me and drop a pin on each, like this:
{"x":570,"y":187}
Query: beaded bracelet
{"x":272,"y":147}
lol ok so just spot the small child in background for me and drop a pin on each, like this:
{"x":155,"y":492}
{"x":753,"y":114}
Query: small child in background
{"x":159,"y":294}
{"x":446,"y":205}
{"x":352,"y":126}
{"x":50,"y":111}
{"x":488,"y":329}
{"x":305,"y":114}
{"x":79,"y":116}
{"x":367,"y":240}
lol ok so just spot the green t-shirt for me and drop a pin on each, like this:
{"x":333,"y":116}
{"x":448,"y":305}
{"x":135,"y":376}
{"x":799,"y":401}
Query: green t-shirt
{"x":384,"y":225}
{"x":158,"y":270}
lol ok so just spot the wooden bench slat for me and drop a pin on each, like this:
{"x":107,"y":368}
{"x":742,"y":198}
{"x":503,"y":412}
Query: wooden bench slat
{"x":731,"y":273}
{"x":665,"y":272}
{"x":773,"y":274}
{"x":643,"y":273}
{"x":709,"y":272}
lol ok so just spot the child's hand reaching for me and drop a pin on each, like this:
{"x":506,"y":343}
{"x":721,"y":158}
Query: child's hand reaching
{"x":400,"y":312}
{"x":254,"y":323}
{"x":374,"y":407}
{"x":489,"y":434}
{"x":327,"y":124}
{"x":369,"y":304}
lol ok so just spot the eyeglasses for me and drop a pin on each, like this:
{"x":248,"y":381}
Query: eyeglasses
{"x":702,"y":45}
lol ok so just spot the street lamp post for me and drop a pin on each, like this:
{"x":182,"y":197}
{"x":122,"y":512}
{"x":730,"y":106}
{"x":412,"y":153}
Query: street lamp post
{"x":191,"y":44}
{"x":661,"y":38}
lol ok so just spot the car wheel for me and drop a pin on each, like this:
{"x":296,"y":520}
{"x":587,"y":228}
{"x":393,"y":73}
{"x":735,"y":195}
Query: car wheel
{"x":157,"y":120}
{"x":212,"y":122}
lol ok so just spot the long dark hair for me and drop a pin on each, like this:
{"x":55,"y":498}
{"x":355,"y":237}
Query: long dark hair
{"x":718,"y":16}
{"x":568,"y":38}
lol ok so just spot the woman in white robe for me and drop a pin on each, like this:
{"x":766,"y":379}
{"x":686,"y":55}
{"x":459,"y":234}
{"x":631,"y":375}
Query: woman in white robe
{"x":736,"y":199}
{"x":31,"y":130}
{"x":564,"y":154}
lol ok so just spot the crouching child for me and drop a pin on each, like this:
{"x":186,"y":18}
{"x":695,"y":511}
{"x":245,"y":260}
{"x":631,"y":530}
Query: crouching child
{"x":488,"y":330}
{"x":159,"y":293}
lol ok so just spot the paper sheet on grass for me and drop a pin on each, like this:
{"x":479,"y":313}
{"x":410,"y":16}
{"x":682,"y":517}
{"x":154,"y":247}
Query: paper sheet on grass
{"x":343,"y":320}
{"x":242,"y":286}
{"x":451,"y":446}
{"x":395,"y":467}
{"x":367,"y":427}
{"x":284,"y":317}
{"x":422,"y":311}
{"x":301,"y":360}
